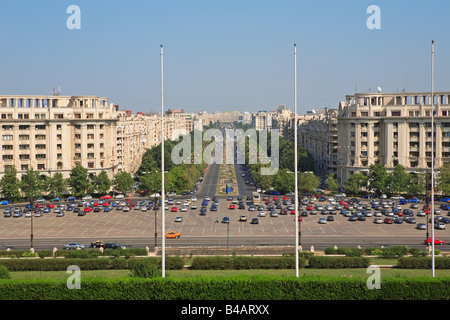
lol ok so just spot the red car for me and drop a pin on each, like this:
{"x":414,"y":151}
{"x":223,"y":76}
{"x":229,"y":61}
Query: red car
{"x":388,"y":220}
{"x":50,"y":205}
{"x":436,"y":241}
{"x":87,"y":209}
{"x":232,"y":206}
{"x":95,"y":204}
{"x":174,"y":209}
{"x":106,"y":197}
{"x":105,"y":204}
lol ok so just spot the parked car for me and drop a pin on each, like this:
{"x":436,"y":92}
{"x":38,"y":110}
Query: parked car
{"x":98,"y":244}
{"x":421,"y":226}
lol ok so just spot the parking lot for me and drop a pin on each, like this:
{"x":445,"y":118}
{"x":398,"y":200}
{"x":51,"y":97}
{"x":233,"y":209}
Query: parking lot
{"x":135,"y":223}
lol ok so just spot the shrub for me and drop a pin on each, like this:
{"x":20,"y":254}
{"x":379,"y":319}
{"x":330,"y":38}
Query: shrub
{"x":423,"y":263}
{"x":45,"y":253}
{"x":4,"y":274}
{"x":317,"y":262}
{"x":145,"y":269}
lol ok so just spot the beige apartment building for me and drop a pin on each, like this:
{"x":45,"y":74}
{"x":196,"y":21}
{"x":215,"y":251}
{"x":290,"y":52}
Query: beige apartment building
{"x":318,"y":134}
{"x":53,"y":133}
{"x":393,"y":129}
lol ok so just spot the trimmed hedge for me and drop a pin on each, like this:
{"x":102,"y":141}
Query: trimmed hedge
{"x":228,"y":288}
{"x":423,"y":263}
{"x":245,"y":262}
{"x":321,"y":262}
{"x":172,"y":263}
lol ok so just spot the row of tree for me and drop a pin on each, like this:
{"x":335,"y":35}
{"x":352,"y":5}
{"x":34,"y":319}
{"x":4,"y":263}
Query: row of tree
{"x":378,"y":180}
{"x":35,"y":185}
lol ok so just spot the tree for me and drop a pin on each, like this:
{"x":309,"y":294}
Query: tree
{"x":378,"y":178}
{"x":79,"y":181}
{"x":123,"y":182}
{"x":284,"y":181}
{"x":399,"y":180}
{"x":416,"y":183}
{"x":308,"y":181}
{"x":331,"y":182}
{"x":10,"y":185}
{"x":354,"y":182}
{"x":56,"y":185}
{"x":32,"y":185}
{"x":102,"y":183}
{"x":444,"y":179}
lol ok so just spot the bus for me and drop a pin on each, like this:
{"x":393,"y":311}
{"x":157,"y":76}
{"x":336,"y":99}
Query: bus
{"x":256,"y":198}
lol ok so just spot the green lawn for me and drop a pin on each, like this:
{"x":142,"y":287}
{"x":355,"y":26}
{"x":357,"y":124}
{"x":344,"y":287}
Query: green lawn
{"x":354,"y":273}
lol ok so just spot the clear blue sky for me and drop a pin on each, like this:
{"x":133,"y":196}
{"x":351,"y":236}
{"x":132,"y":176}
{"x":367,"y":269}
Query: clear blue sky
{"x":222,"y":55}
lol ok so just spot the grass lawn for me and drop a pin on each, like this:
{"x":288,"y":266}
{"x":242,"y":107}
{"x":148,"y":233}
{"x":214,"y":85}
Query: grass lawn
{"x":354,"y":273}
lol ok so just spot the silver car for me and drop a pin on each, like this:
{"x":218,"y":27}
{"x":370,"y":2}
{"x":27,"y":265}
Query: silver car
{"x":73,"y":245}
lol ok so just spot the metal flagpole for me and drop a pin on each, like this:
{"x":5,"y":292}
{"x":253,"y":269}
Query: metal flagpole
{"x":163,"y":218}
{"x":432,"y":159}
{"x":296,"y":160}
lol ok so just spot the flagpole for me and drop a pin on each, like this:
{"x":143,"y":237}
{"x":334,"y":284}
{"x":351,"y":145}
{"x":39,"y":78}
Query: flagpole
{"x":163,"y":218}
{"x":296,"y":160}
{"x":432,"y":159}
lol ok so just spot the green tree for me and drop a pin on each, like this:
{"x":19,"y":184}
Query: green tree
{"x":308,"y":181}
{"x":79,"y":181}
{"x":57,"y":185}
{"x":331,"y":182}
{"x":9,"y":185}
{"x":378,"y":178}
{"x":284,"y":181}
{"x":355,"y":182}
{"x":32,"y":185}
{"x":123,"y":182}
{"x":443,"y":183}
{"x":399,"y":180}
{"x":416,"y":183}
{"x":102,"y":183}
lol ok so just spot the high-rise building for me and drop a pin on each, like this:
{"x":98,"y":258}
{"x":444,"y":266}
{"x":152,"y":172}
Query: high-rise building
{"x":393,"y":129}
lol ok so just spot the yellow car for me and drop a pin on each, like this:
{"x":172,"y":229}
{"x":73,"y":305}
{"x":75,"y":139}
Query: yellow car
{"x":172,"y":234}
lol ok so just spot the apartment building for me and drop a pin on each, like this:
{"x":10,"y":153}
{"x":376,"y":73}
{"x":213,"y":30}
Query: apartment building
{"x":53,"y":133}
{"x":393,"y":129}
{"x":318,"y":134}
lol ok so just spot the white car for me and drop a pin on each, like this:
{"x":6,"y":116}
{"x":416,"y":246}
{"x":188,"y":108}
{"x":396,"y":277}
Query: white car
{"x":193,"y":199}
{"x":194,"y":206}
{"x":322,"y":221}
{"x":183,"y":208}
{"x":378,"y":220}
{"x":262,"y":214}
{"x":178,"y":219}
{"x":440,"y":225}
{"x":87,"y":198}
{"x":143,"y":208}
{"x":119,"y":196}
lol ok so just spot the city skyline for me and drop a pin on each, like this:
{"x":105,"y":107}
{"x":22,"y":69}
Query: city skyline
{"x":222,"y":56}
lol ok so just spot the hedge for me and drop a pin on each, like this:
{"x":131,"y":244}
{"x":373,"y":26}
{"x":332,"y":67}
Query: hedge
{"x":244,"y":262}
{"x":55,"y":264}
{"x":228,"y":288}
{"x":321,"y":262}
{"x":423,"y":263}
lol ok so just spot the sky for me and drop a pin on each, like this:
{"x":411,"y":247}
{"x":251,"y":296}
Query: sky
{"x":222,"y":55}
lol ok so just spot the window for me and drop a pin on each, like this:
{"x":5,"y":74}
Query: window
{"x":40,"y":137}
{"x":90,"y":136}
{"x":24,"y":167}
{"x":77,"y":136}
{"x":90,"y":165}
{"x":24,"y":157}
{"x":24,"y":147}
{"x":24,"y":137}
{"x":376,"y":113}
{"x":395,"y":113}
{"x":40,"y":146}
{"x":59,"y":165}
{"x":7,"y":147}
{"x":24,"y":127}
{"x":40,"y":156}
{"x":7,"y":137}
{"x":7,"y":127}
{"x":7,"y":157}
{"x":364,"y":114}
{"x":90,"y":126}
{"x":41,"y":166}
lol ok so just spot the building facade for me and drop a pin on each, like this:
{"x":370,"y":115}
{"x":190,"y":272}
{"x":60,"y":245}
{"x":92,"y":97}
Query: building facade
{"x":393,"y":129}
{"x":53,"y":133}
